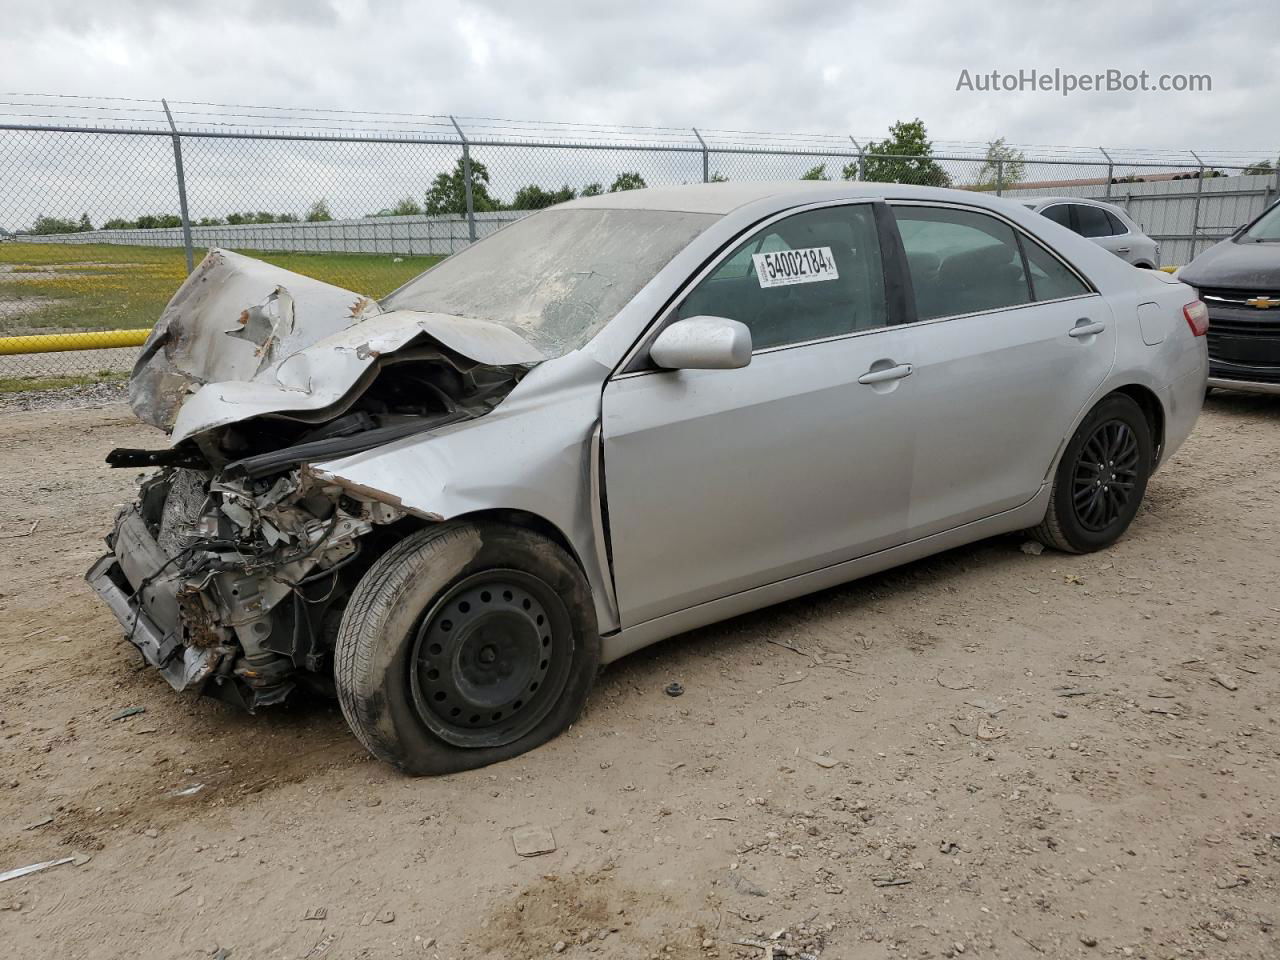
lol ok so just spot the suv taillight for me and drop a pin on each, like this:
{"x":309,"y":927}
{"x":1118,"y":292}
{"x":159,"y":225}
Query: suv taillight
{"x":1197,"y":315}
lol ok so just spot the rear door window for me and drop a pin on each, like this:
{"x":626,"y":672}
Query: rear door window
{"x":961,"y":261}
{"x":1051,"y":279}
{"x":1117,"y":225}
{"x":1059,"y":213}
{"x":1092,"y":221}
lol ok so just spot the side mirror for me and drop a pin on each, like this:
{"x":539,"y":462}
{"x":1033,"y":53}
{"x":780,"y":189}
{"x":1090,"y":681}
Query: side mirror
{"x":703,"y":343}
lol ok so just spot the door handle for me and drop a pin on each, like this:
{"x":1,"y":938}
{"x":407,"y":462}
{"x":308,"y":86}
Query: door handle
{"x":1123,"y":249}
{"x":1086,"y":328}
{"x":887,"y":374}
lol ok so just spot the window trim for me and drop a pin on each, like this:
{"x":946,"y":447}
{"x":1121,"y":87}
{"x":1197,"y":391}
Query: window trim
{"x":633,"y":361}
{"x":1023,"y":235}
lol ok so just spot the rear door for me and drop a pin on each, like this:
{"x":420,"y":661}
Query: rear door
{"x":1009,"y":345}
{"x":1103,"y":229}
{"x":718,"y":481}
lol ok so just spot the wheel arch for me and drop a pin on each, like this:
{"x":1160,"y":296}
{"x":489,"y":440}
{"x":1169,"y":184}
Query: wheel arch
{"x":1152,"y":410}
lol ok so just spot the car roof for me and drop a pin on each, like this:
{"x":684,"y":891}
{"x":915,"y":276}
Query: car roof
{"x":1088,"y":201}
{"x":723,"y":198}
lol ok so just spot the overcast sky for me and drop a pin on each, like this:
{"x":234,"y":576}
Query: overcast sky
{"x":786,"y":65}
{"x":807,"y":66}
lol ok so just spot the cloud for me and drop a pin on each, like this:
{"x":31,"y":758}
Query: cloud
{"x":758,"y":65}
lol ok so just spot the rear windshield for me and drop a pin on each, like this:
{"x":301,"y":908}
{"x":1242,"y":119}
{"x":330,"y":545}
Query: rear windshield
{"x":556,"y":277}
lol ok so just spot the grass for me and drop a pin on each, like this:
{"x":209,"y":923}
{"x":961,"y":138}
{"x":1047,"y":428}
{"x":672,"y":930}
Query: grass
{"x":47,"y":287}
{"x":24,"y":384}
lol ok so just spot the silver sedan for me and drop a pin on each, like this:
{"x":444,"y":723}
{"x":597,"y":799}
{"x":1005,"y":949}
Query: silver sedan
{"x":612,"y":422}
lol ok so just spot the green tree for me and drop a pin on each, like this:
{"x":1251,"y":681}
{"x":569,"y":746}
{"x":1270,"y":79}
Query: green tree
{"x":819,"y":173}
{"x":84,"y":226}
{"x":154,"y":221}
{"x":318,"y":212}
{"x":1258,"y":169}
{"x":210,"y":222}
{"x":627,"y":181}
{"x":46,"y":225}
{"x":1002,"y":163}
{"x":406,"y":207}
{"x":448,"y":193}
{"x":718,"y":177}
{"x":905,"y":157}
{"x":534,"y":197}
{"x":118,"y":223}
{"x":592,"y":190}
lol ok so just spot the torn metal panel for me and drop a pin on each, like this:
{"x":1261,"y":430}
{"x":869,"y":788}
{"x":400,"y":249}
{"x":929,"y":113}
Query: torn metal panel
{"x":232,"y":319}
{"x":319,"y":381}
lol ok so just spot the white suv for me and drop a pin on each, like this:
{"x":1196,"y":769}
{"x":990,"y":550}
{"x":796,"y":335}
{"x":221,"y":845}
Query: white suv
{"x":1105,"y":224}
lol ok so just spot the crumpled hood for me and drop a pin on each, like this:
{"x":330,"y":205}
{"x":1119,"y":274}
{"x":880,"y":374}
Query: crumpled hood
{"x":242,"y":338}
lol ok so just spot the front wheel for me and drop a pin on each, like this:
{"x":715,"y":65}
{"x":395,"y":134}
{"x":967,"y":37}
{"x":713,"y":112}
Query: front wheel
{"x":1100,"y":480}
{"x":464,"y":645}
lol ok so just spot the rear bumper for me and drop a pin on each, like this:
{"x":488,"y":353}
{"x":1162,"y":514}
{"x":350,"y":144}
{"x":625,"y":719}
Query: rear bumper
{"x":1244,"y":386}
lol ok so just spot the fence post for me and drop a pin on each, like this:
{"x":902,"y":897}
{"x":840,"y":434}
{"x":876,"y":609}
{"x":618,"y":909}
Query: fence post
{"x":1195,"y":208}
{"x":466,"y":174}
{"x":706,"y":158}
{"x":862,"y":159}
{"x":999,"y":176}
{"x":182,"y":186}
{"x":1111,"y":167}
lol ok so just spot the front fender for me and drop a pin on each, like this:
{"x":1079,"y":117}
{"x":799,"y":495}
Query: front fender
{"x":537,"y":453}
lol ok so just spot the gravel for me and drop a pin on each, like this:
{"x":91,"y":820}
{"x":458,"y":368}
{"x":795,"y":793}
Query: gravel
{"x":79,"y":397}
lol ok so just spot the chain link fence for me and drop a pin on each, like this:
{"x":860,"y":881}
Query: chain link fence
{"x":101,"y":221}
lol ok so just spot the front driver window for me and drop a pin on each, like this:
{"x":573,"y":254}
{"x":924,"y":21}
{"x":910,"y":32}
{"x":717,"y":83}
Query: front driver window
{"x":808,"y":277}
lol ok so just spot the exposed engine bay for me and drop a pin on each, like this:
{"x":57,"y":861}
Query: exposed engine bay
{"x":231,"y":570}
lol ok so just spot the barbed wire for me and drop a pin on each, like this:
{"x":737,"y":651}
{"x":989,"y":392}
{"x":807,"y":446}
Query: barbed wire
{"x":198,"y":116}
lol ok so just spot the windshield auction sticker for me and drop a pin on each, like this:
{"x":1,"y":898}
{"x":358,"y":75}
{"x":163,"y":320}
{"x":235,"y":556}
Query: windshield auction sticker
{"x":784,"y":267}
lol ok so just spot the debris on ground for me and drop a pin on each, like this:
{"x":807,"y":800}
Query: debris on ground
{"x":78,"y":859}
{"x":988,"y":731}
{"x":127,"y":712}
{"x":1226,"y":680}
{"x":43,"y":821}
{"x":1032,"y":548}
{"x":187,"y":791}
{"x":533,"y":841}
{"x":316,"y":913}
{"x":824,"y":761}
{"x":673,"y":689}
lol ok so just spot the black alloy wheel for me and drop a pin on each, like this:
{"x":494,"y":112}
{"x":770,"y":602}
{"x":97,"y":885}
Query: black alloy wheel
{"x":1105,"y":475}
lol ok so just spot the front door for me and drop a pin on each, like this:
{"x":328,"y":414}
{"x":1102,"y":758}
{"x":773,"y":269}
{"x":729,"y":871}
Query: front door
{"x":718,"y":481}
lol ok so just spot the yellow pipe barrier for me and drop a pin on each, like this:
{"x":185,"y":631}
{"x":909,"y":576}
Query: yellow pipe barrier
{"x":57,"y":342}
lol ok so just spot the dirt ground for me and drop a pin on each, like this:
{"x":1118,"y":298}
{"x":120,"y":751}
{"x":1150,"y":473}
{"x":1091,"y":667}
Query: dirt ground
{"x":988,"y":753}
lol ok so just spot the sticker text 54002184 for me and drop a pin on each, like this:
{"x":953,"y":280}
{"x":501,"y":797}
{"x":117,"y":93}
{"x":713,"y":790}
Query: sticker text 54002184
{"x":806,"y":265}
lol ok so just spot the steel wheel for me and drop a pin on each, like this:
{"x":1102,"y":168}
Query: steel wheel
{"x":490,"y":658}
{"x":1105,"y":475}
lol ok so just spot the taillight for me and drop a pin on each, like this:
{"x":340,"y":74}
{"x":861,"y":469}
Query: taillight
{"x":1197,"y":315}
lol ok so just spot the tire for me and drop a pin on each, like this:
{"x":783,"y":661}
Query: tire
{"x":1101,"y":511}
{"x":464,"y":645}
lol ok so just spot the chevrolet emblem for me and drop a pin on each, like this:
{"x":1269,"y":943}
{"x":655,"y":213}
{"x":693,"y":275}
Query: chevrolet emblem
{"x":1263,"y":303}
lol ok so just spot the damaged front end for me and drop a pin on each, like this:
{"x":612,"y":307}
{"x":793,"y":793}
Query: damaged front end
{"x":235,"y":588}
{"x":232,"y":569}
